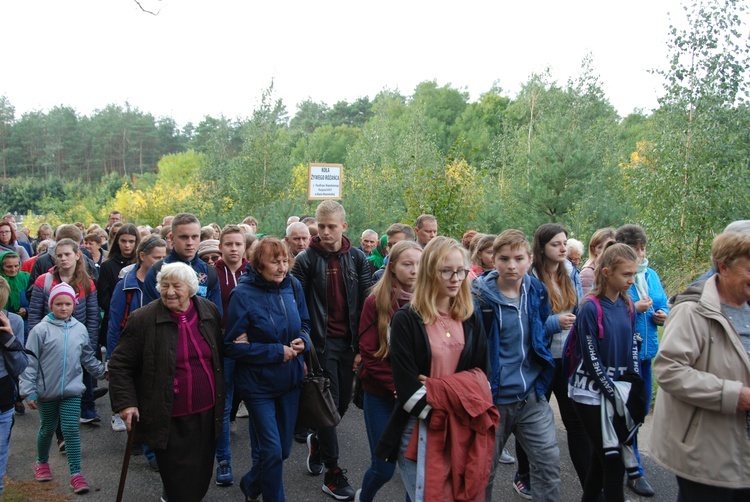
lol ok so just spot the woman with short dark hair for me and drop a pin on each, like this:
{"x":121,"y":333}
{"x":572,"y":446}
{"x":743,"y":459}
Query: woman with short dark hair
{"x":267,"y":330}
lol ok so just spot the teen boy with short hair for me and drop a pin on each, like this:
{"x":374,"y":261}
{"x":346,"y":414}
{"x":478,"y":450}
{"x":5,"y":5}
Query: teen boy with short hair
{"x":514,"y":308}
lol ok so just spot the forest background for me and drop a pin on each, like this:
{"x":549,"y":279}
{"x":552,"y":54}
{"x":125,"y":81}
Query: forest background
{"x":553,"y":152}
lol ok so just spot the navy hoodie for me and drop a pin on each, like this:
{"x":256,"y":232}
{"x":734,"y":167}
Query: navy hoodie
{"x":201,"y":270}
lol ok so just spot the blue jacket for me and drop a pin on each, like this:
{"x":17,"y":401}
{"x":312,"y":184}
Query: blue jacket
{"x":272,"y":315}
{"x":204,"y":272}
{"x":644,"y":322}
{"x":62,"y":350}
{"x":118,"y":305}
{"x":535,"y":306}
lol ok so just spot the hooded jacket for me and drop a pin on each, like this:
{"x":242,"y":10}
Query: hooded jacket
{"x":207,"y":288}
{"x":272,"y":315}
{"x":310,"y":268}
{"x":118,"y":306}
{"x":535,"y":308}
{"x":61,"y":348}
{"x":228,"y":280}
{"x":701,"y":367}
{"x":644,"y":322}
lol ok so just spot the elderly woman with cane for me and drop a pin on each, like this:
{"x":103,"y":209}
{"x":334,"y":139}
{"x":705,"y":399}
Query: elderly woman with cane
{"x":166,"y":373}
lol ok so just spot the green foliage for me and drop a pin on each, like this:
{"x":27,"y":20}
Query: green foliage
{"x":695,"y":179}
{"x":553,"y":152}
{"x":178,"y":168}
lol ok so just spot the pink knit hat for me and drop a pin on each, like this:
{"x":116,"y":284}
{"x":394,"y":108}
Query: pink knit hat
{"x":62,"y":289}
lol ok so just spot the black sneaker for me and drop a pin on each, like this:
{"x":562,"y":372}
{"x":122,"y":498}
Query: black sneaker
{"x":337,"y":486}
{"x":300,"y":434}
{"x":100,"y":392}
{"x":314,"y":465}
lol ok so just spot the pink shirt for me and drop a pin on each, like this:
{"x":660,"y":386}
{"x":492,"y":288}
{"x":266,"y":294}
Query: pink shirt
{"x":446,"y":350}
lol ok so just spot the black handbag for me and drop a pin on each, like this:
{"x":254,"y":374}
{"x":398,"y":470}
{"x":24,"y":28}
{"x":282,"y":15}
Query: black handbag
{"x":316,"y":406}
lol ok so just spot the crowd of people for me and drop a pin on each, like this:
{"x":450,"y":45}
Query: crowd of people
{"x":455,"y":344}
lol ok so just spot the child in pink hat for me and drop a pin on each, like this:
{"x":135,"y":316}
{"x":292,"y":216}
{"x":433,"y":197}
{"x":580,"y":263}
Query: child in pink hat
{"x":53,"y":381}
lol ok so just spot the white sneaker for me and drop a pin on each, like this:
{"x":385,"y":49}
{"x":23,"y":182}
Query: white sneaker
{"x":242,"y":411}
{"x":117,"y":423}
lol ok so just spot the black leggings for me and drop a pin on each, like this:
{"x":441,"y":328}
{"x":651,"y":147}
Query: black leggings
{"x":603,"y":472}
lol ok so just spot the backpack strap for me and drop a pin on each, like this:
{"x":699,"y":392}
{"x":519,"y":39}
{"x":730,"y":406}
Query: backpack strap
{"x":48,"y":278}
{"x":128,"y":301}
{"x":599,"y":314}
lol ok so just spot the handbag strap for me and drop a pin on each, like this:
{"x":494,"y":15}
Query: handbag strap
{"x":314,"y":368}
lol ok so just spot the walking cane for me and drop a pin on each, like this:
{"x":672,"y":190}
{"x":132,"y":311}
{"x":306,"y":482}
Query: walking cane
{"x":126,"y":460}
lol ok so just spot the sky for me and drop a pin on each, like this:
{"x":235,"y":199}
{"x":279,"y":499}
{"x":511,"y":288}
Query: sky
{"x":198,"y":58}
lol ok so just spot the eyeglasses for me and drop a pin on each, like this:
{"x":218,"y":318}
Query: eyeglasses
{"x":447,"y":274}
{"x":4,"y":232}
{"x":211,"y":258}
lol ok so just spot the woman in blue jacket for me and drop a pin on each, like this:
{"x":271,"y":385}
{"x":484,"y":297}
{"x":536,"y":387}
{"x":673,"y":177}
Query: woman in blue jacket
{"x":267,"y":330}
{"x":650,"y":312}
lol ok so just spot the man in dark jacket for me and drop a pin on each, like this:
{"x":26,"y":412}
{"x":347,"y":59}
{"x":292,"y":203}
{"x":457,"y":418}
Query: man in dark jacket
{"x":186,"y":233}
{"x":335,"y":278}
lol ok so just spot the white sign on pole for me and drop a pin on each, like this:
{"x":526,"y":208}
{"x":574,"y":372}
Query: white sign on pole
{"x":324,"y":181}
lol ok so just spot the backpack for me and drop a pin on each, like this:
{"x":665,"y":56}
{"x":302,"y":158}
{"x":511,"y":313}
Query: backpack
{"x":571,"y":351}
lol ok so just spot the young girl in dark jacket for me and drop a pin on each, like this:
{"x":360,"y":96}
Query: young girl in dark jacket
{"x":608,"y":354}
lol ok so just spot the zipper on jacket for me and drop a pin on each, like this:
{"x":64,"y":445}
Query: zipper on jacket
{"x":65,"y":361}
{"x":283,"y":306}
{"x":690,"y":424}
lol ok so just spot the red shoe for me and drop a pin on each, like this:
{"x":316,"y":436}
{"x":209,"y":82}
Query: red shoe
{"x":42,"y":471}
{"x":79,"y":484}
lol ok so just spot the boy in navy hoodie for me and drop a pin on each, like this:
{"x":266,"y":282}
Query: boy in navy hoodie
{"x":514,"y":308}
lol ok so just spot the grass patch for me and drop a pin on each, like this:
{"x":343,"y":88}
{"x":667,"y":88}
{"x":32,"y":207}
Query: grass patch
{"x":24,"y":491}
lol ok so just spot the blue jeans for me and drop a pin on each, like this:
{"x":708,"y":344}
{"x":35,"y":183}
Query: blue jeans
{"x":408,"y":468}
{"x":6,"y":423}
{"x":533,"y":423}
{"x":647,"y":381}
{"x":272,"y":421}
{"x":377,"y":413}
{"x":222,"y":443}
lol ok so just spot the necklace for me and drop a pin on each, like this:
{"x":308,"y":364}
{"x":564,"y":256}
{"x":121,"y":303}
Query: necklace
{"x":447,"y":333}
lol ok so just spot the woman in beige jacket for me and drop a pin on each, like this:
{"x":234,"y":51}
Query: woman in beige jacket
{"x":701,"y":429}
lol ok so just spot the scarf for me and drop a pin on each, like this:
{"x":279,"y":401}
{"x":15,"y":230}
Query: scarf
{"x":377,"y":258}
{"x":18,"y":284}
{"x":402,"y":297}
{"x":640,"y":279}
